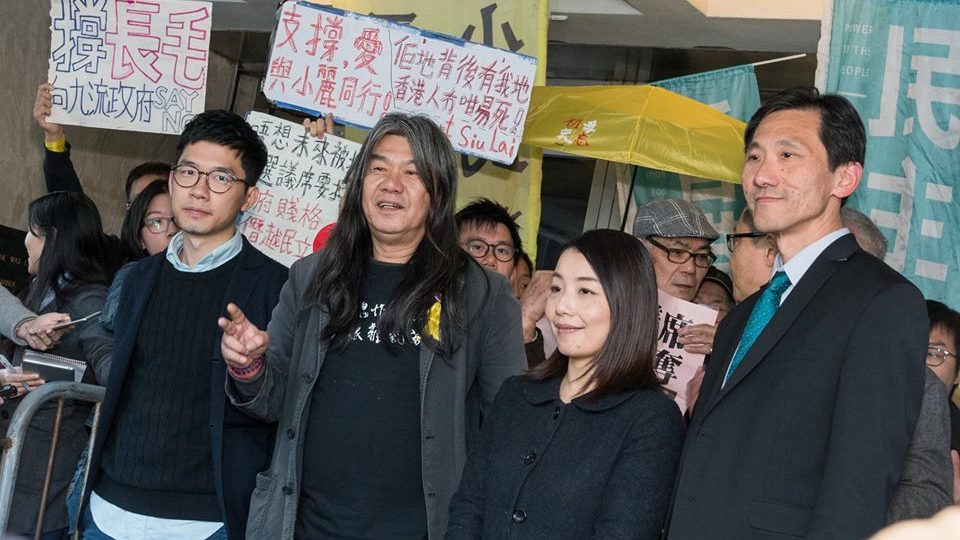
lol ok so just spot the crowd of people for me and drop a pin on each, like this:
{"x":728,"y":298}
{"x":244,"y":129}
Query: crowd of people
{"x":419,"y":378}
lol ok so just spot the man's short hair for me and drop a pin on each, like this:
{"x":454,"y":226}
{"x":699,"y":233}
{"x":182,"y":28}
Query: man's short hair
{"x":227,"y":129}
{"x":841,"y":129}
{"x":485,"y":213}
{"x":866,"y":231}
{"x":151,"y":168}
{"x":523,"y":256}
{"x":941,"y":316}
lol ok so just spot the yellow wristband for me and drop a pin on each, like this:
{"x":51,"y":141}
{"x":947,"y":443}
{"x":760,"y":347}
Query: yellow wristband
{"x":56,"y":146}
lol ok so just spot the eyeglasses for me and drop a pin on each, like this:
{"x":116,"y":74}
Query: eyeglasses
{"x":936,"y":356}
{"x":732,"y":238}
{"x":159,"y":225}
{"x":187,"y":176}
{"x":478,"y":249}
{"x":680,"y":256}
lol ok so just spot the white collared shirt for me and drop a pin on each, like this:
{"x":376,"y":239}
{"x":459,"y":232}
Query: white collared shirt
{"x":220,"y":254}
{"x":119,"y":523}
{"x":797,"y":266}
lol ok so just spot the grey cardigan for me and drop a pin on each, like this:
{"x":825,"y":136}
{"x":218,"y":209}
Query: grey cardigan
{"x":12,"y":313}
{"x":451,"y":393}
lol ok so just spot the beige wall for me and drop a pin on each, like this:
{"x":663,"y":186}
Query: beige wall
{"x":102,"y":157}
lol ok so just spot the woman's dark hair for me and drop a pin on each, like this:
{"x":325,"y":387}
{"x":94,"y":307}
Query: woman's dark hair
{"x":435,"y":265}
{"x":626,"y":359}
{"x":132,"y":226}
{"x":73,"y":250}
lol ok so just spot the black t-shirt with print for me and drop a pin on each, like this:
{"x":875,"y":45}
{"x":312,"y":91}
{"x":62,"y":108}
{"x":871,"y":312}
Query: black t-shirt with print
{"x":361,"y":474}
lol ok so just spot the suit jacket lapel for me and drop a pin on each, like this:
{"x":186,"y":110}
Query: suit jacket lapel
{"x":804,"y":291}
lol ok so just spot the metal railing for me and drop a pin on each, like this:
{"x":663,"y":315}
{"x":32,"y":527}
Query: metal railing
{"x":12,"y":444}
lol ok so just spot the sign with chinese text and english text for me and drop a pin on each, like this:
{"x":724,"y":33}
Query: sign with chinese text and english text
{"x":360,"y":68}
{"x":138,"y":65}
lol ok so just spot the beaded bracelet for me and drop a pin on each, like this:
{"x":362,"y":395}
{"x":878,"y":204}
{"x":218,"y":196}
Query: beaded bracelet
{"x":248,"y":371}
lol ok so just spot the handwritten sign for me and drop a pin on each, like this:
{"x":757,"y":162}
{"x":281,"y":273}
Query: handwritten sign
{"x":360,"y":68}
{"x":138,"y":65}
{"x":674,"y":366}
{"x":300,"y":189}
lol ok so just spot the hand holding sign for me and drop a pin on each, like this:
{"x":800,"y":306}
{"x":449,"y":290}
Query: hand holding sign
{"x":242,"y":342}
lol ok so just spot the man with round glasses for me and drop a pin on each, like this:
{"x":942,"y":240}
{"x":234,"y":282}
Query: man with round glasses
{"x":490,"y":235}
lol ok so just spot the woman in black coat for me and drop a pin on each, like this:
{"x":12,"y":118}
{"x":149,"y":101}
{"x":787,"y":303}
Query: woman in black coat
{"x":587,"y":444}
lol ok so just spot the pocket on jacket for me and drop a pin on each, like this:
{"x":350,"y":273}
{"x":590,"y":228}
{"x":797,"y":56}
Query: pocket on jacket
{"x":780,"y":518}
{"x":260,"y":500}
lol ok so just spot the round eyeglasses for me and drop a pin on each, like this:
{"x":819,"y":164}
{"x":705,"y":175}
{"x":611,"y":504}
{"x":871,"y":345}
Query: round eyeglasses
{"x":160,"y":225}
{"x":478,"y":249}
{"x":937,"y":355}
{"x":187,"y":176}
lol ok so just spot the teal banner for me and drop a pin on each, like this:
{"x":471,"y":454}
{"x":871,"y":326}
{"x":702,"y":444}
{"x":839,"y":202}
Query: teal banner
{"x":732,"y":91}
{"x":898,"y":62}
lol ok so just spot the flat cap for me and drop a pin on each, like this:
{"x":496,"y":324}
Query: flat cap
{"x":672,"y":218}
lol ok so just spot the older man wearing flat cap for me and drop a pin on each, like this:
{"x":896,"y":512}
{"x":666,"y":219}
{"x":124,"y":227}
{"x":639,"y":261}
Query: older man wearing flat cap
{"x":678,"y":237}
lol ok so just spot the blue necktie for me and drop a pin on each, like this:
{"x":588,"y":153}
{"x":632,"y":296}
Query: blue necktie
{"x":762,"y":313}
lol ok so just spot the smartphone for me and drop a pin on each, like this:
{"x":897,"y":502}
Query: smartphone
{"x":8,"y":390}
{"x":75,"y":321}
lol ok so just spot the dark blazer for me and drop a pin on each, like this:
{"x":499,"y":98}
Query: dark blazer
{"x":554,"y":471}
{"x":241,"y":445}
{"x":808,"y":437}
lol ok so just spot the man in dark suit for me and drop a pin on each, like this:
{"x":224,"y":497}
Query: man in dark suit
{"x":172,"y":458}
{"x":815,"y":383}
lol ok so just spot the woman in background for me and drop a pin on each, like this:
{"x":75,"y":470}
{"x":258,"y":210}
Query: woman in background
{"x":66,"y":258}
{"x":587,"y":444}
{"x":147,"y":229}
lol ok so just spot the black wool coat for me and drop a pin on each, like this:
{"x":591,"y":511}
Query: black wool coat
{"x":545,"y":469}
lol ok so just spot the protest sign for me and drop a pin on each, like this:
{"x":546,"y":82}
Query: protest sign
{"x":358,"y":67}
{"x":138,"y":65}
{"x":674,"y":366}
{"x":300,"y":189}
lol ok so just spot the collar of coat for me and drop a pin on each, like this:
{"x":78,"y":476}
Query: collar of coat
{"x":548,"y":392}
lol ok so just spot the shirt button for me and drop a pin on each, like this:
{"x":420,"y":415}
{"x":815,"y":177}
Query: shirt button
{"x":286,"y":490}
{"x":306,"y":378}
{"x":291,"y":434}
{"x":556,"y":413}
{"x":519,"y":516}
{"x":529,"y":458}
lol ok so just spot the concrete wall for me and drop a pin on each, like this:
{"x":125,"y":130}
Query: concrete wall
{"x":102,"y":157}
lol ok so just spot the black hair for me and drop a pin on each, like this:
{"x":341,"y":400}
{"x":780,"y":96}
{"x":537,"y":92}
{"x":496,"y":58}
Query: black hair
{"x":941,"y":316}
{"x":73,"y":251}
{"x":522,"y":256}
{"x":433,"y":269}
{"x":841,"y":129}
{"x":484,"y":212}
{"x":151,"y":168}
{"x":132,"y":227}
{"x":625,"y":271}
{"x":227,"y":129}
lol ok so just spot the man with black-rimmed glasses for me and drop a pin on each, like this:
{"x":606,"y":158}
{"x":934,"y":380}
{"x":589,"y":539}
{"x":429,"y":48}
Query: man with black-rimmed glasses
{"x":678,"y":237}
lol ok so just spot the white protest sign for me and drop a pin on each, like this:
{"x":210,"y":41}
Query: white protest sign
{"x":328,"y":60}
{"x":674,"y":366}
{"x":300,"y":189}
{"x":138,"y":65}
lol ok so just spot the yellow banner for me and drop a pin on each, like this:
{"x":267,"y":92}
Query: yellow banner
{"x":519,"y":26}
{"x":641,"y":125}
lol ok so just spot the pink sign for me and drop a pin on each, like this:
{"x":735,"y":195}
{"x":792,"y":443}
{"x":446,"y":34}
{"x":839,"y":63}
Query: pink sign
{"x":360,"y":68}
{"x":138,"y":65}
{"x":675,"y":366}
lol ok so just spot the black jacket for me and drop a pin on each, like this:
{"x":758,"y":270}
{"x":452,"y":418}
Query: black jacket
{"x":241,"y":445}
{"x":549,"y":470}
